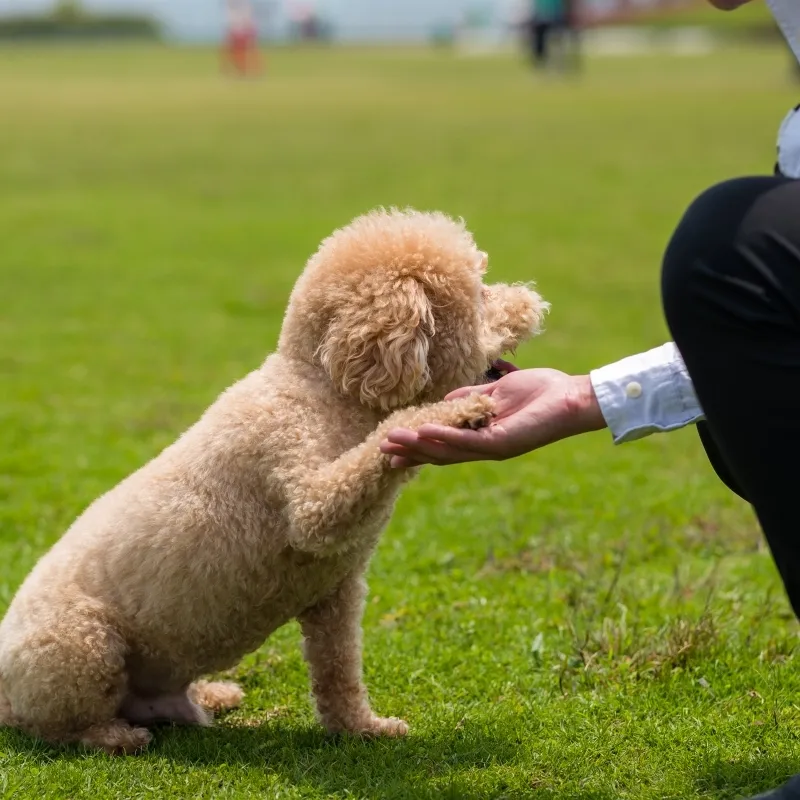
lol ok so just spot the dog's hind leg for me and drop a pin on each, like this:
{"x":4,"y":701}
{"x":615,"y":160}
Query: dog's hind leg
{"x":65,"y":681}
{"x":6,"y":713}
{"x":116,"y":737}
{"x":216,"y":695}
{"x":175,"y":707}
{"x":189,"y":707}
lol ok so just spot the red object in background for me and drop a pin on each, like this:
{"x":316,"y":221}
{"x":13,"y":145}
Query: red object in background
{"x":241,"y":43}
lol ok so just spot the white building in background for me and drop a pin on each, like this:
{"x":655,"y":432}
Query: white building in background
{"x":351,"y":20}
{"x":412,"y":20}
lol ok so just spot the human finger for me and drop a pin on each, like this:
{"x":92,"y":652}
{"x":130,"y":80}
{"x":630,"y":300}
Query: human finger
{"x":428,"y":451}
{"x":466,"y":391}
{"x":402,"y":462}
{"x":393,"y":449}
{"x":481,"y":441}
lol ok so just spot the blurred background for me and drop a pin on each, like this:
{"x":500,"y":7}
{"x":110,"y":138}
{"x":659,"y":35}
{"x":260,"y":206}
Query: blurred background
{"x":484,"y":23}
{"x":166,"y":169}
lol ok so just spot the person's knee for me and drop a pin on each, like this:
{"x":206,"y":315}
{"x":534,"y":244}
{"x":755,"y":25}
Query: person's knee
{"x":687,"y":244}
{"x":706,"y":237}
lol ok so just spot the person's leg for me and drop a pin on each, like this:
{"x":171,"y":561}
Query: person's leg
{"x":789,"y":791}
{"x":717,"y":461}
{"x":240,"y":52}
{"x":731,"y":292}
{"x":540,"y":52}
{"x":254,"y":53}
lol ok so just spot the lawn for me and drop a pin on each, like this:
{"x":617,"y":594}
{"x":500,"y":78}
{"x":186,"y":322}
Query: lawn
{"x":586,"y":622}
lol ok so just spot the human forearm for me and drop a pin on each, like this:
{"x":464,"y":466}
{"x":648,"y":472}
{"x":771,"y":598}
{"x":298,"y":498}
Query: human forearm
{"x":634,"y":397}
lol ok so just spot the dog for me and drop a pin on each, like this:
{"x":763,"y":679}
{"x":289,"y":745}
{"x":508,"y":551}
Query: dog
{"x":269,"y":507}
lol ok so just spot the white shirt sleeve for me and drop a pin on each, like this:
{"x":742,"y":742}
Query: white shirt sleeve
{"x":646,"y":393}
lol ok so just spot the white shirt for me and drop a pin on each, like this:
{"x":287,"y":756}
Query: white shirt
{"x":787,"y":16}
{"x":646,"y":393}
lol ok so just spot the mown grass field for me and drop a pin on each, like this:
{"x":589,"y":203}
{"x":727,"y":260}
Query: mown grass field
{"x":585,"y":622}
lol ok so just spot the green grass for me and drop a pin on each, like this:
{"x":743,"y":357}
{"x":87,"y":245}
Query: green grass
{"x":584,"y":622}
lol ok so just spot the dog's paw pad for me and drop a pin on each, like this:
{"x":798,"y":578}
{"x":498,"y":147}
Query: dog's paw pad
{"x":475,"y":412}
{"x":476,"y":423}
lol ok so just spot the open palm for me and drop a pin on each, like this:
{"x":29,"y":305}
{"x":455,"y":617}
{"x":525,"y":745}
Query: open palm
{"x":533,"y":408}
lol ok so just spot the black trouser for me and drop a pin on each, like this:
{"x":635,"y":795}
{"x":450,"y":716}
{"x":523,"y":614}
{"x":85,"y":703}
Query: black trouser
{"x":561,"y":32}
{"x":731,"y":290}
{"x":541,"y":34}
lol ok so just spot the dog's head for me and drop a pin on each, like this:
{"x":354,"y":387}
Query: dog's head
{"x":393,"y":307}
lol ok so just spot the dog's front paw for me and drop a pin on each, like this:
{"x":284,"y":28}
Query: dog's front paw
{"x":474,"y":412}
{"x":384,"y":726}
{"x":368,"y":725}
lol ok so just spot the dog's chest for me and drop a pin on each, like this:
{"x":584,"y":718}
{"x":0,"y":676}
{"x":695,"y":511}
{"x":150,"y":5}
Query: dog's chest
{"x":309,"y":578}
{"x":255,"y":593}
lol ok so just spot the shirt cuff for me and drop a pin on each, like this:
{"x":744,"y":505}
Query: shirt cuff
{"x":645,"y":394}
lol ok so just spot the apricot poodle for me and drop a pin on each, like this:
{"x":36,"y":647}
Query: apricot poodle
{"x":269,"y":507}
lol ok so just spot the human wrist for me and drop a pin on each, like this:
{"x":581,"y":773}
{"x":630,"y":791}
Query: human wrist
{"x":584,"y":414}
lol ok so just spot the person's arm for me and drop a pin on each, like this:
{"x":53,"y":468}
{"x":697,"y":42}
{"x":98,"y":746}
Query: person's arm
{"x":635,"y":397}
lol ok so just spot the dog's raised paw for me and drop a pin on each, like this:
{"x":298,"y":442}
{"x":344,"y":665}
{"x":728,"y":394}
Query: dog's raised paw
{"x":474,"y":412}
{"x":476,"y":423}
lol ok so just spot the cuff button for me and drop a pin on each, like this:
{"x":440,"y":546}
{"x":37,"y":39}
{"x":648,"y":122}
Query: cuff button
{"x":633,"y":390}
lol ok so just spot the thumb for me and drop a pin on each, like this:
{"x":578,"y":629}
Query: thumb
{"x":465,"y":391}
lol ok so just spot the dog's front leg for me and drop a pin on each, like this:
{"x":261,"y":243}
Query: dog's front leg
{"x":327,"y":503}
{"x":332,"y":647}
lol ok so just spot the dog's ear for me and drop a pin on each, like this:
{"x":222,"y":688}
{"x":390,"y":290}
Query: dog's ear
{"x":377,"y":348}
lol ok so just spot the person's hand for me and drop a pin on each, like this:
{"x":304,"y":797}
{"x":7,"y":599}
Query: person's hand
{"x":534,"y":408}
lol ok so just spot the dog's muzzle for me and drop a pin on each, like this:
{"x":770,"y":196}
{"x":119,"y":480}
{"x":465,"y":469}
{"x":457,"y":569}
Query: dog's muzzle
{"x":498,"y":369}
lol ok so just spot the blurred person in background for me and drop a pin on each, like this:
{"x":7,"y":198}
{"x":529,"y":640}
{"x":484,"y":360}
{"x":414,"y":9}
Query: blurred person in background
{"x":304,"y":21}
{"x":731,"y":296}
{"x":240,"y":52}
{"x":546,"y":16}
{"x":554,"y":34}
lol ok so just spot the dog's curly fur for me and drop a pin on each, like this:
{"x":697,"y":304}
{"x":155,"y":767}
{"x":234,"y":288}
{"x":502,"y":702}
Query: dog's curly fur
{"x":269,"y":507}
